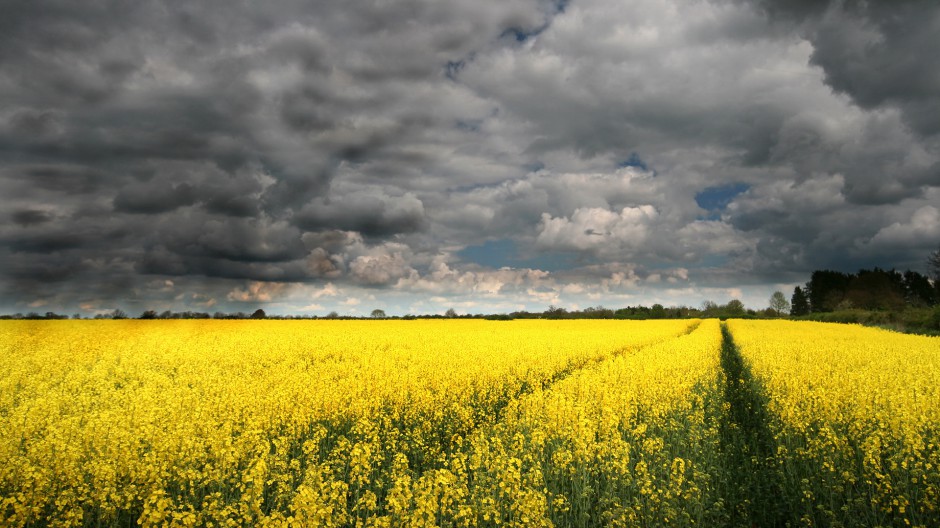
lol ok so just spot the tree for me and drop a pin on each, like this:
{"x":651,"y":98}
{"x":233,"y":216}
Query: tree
{"x":451,"y":313}
{"x":876,"y":289}
{"x":734,"y":307}
{"x":259,"y":314}
{"x":657,"y":311}
{"x":779,"y":303}
{"x":118,"y":314}
{"x":799,"y":303}
{"x":598,"y":312}
{"x":826,"y":289}
{"x":933,"y":265}
{"x":149,"y":314}
{"x":918,"y":291}
{"x":332,"y":315}
{"x":378,"y":314}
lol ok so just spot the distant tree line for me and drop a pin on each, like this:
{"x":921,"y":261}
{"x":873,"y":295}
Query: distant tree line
{"x":153,"y":314}
{"x":906,"y":301}
{"x":733,"y":308}
{"x":874,"y":289}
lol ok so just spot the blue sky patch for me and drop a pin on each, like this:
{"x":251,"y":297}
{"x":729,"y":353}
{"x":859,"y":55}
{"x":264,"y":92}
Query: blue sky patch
{"x":634,"y":161}
{"x":534,"y":167}
{"x":553,"y":261}
{"x":713,"y":261}
{"x":716,"y":199}
{"x":521,"y":35}
{"x":492,"y":253}
{"x":453,"y":68}
{"x":469,"y":125}
{"x":504,"y":252}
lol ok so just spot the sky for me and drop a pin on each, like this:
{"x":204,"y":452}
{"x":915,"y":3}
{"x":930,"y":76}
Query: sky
{"x":488,"y":156}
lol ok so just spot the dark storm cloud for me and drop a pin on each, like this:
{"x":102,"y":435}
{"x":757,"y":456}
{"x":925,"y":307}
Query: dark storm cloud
{"x":68,"y":179}
{"x":153,"y":198}
{"x":31,"y":275}
{"x":216,"y":124}
{"x":57,"y":234}
{"x":27,"y":217}
{"x":660,"y":83}
{"x":243,"y":240}
{"x":371,"y":215}
{"x":29,"y":122}
{"x":878,"y":52}
{"x":170,"y":264}
{"x":233,"y":201}
{"x":47,"y":242}
{"x":237,"y":149}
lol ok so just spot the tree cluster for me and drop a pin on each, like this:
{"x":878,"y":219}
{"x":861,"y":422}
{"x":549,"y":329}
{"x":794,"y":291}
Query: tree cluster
{"x":874,"y":289}
{"x":734,"y":308}
{"x":36,"y":315}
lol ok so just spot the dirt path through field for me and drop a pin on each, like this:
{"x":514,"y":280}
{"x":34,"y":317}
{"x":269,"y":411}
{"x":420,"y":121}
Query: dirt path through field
{"x":751,"y":471}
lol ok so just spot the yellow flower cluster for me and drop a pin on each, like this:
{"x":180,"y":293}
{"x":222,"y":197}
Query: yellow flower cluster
{"x":466,"y":423}
{"x":625,"y":442}
{"x":855,"y":413}
{"x":290,"y":423}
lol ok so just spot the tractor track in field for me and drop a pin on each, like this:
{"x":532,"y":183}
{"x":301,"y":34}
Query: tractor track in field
{"x":496,"y":413}
{"x":749,"y":451}
{"x":587,"y":363}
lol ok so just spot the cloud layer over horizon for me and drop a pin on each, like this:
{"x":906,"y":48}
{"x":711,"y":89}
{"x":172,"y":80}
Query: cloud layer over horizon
{"x":420,"y":155}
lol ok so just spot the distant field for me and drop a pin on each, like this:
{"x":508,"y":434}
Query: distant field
{"x":467,"y":423}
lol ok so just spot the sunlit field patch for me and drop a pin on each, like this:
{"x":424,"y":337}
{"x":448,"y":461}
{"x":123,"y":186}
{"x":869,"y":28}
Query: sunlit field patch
{"x":466,"y":423}
{"x":856,"y":417}
{"x":227,"y":422}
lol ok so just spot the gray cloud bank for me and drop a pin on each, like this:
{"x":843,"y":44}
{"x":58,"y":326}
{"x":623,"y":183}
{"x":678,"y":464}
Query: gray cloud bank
{"x":421,"y":154}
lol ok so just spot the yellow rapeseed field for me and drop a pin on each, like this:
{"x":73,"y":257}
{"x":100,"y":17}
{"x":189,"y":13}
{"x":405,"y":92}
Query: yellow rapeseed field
{"x":625,"y":442}
{"x":855,"y":413}
{"x":467,"y":423}
{"x":231,"y":423}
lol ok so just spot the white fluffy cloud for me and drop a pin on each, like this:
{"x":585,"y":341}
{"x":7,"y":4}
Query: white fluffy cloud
{"x":379,"y":268}
{"x":259,"y":292}
{"x":596,"y":229}
{"x":924,"y":224}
